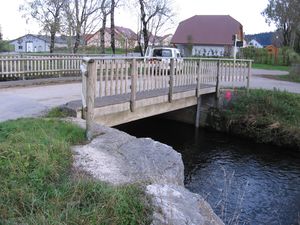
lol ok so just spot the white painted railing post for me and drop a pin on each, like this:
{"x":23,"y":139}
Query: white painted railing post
{"x":90,"y":96}
{"x":133,"y":77}
{"x":171,"y":81}
{"x":249,"y":75}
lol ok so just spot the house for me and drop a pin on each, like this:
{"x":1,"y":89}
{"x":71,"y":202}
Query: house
{"x":207,"y":35}
{"x":124,"y":38}
{"x":264,"y":39}
{"x":255,"y":44}
{"x":36,"y":43}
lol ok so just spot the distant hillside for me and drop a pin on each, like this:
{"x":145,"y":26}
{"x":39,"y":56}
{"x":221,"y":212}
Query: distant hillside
{"x":263,"y":38}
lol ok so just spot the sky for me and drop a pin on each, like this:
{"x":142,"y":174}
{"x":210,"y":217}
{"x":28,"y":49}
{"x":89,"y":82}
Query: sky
{"x":247,"y":12}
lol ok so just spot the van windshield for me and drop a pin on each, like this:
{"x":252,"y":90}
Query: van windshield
{"x":162,"y":53}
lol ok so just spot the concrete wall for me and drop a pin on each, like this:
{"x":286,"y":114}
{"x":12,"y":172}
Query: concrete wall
{"x":188,"y":115}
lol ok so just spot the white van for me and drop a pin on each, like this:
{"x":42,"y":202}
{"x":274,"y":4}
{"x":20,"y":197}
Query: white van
{"x":163,"y":53}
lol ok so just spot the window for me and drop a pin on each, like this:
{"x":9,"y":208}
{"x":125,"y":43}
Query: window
{"x":20,"y":47}
{"x":162,"y":53}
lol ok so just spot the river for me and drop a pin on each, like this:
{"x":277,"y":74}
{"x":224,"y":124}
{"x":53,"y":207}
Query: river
{"x":244,"y":182}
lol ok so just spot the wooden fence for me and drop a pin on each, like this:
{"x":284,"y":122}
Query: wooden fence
{"x":12,"y":67}
{"x":115,"y":75}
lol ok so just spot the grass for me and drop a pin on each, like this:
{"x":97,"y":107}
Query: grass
{"x":289,"y":77}
{"x":270,"y":67}
{"x":263,"y":115}
{"x":57,"y":113}
{"x":39,"y":187}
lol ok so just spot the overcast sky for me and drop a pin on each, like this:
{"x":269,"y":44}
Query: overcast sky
{"x":248,"y":13}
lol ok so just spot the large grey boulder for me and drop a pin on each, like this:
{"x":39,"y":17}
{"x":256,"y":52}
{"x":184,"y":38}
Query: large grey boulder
{"x":177,"y":206}
{"x":118,"y":158}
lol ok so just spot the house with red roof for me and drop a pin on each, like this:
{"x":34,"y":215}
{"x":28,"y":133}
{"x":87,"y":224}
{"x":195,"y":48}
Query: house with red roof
{"x":207,"y":35}
{"x":124,"y":38}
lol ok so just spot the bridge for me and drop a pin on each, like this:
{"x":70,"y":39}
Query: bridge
{"x":120,"y":90}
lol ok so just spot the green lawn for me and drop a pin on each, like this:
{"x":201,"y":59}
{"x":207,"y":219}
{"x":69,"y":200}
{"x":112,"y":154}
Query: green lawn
{"x":269,"y":67}
{"x":290,"y":77}
{"x":38,"y":185}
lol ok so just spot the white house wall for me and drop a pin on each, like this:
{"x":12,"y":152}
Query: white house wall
{"x":38,"y":45}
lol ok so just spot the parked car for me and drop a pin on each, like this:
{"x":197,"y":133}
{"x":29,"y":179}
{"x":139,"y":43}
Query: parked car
{"x":163,"y":54}
{"x":156,"y":55}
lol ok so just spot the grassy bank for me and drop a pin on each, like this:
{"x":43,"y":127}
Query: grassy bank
{"x":38,"y":185}
{"x":264,"y":116}
{"x":270,"y":67}
{"x":290,"y":77}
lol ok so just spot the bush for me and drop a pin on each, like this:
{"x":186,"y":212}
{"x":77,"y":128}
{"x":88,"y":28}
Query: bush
{"x":5,"y":46}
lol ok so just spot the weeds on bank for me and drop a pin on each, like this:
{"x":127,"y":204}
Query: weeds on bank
{"x":56,"y":113}
{"x":234,"y":217}
{"x":37,"y":186}
{"x":266,"y":116}
{"x":267,"y":106}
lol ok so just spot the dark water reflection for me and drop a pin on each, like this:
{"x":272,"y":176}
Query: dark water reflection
{"x":245,"y":183}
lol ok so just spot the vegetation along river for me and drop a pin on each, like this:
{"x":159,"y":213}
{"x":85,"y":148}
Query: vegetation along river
{"x":245,"y":183}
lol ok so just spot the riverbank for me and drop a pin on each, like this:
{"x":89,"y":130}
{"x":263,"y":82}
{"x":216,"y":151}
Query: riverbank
{"x":51,"y":174}
{"x":264,"y":116}
{"x":40,"y":186}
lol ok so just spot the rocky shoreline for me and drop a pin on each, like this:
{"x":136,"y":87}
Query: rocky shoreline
{"x":118,"y":158}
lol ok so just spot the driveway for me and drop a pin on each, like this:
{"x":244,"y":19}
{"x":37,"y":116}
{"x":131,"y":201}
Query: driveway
{"x":35,"y":100}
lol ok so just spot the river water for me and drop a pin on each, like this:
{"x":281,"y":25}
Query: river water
{"x":244,"y":182}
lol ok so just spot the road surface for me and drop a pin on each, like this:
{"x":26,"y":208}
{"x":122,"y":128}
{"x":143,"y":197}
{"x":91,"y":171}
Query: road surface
{"x":36,"y":100}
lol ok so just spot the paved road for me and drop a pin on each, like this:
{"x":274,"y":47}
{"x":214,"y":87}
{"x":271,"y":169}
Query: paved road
{"x":258,"y":81}
{"x":36,"y":100}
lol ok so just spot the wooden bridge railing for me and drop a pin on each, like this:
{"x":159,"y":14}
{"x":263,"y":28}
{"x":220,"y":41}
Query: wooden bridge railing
{"x":120,"y":76}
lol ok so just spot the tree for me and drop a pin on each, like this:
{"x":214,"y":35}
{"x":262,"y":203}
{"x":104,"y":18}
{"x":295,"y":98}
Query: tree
{"x":1,"y":36}
{"x":47,"y":13}
{"x":85,"y":18}
{"x":153,"y":13}
{"x":285,"y":15}
{"x":105,"y":11}
{"x":112,"y":26}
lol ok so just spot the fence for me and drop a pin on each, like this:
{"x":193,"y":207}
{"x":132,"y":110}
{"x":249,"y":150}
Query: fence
{"x":20,"y":67}
{"x":116,"y":74}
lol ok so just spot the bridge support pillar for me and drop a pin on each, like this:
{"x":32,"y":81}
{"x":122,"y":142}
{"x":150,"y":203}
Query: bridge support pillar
{"x":198,"y":112}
